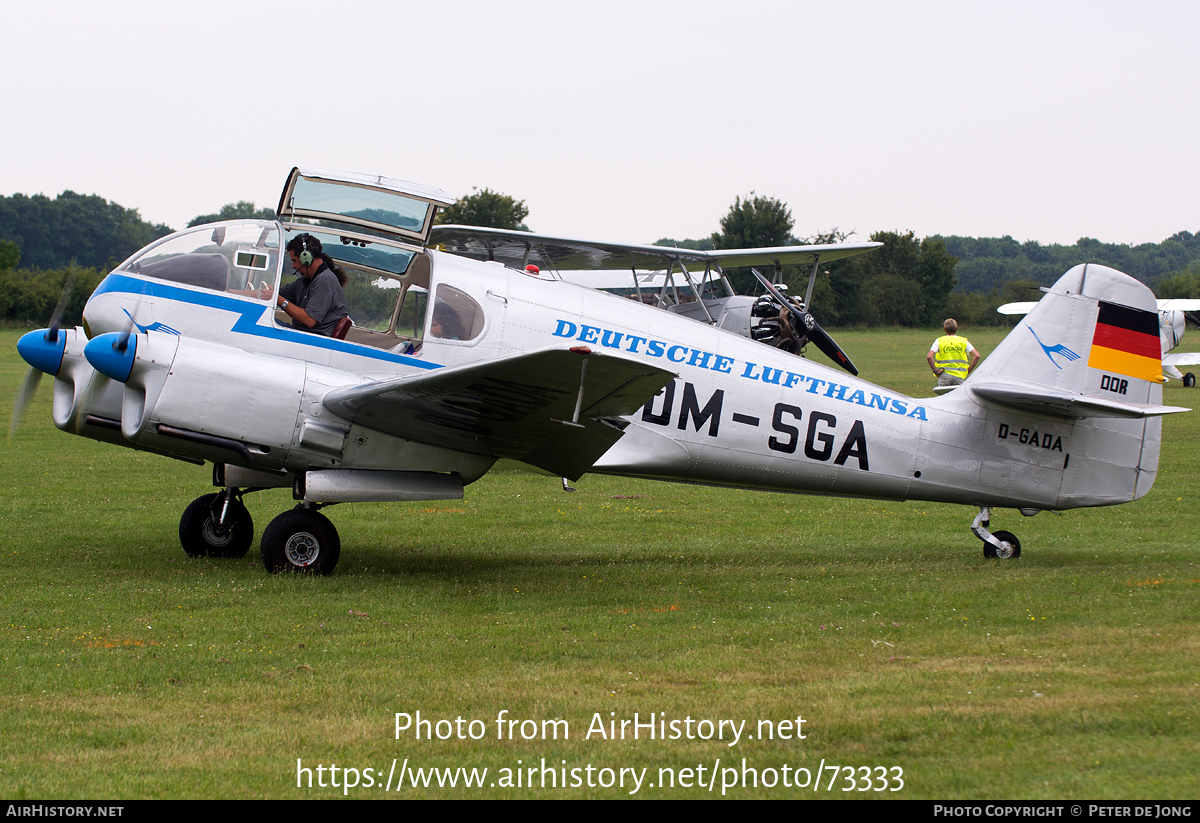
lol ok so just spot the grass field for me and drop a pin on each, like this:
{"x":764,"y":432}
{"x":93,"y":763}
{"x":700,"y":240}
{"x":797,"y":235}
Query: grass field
{"x":132,"y":671}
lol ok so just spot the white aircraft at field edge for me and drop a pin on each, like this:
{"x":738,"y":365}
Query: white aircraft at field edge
{"x":179,"y":356}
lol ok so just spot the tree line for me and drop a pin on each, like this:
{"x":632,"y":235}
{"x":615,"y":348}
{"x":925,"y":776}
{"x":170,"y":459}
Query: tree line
{"x":918,"y":282}
{"x":910,"y":281}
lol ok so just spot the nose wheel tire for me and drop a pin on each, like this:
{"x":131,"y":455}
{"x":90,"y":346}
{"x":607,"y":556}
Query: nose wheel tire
{"x":201,"y":532}
{"x":1010,"y":546}
{"x":303,"y":541}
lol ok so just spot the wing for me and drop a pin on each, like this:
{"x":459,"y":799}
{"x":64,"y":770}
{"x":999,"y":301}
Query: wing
{"x":528,"y":406}
{"x":789,"y":255}
{"x":1017,"y":308}
{"x":1189,"y":358}
{"x":1179,"y":304}
{"x":518,"y":248}
{"x":1174,"y":304}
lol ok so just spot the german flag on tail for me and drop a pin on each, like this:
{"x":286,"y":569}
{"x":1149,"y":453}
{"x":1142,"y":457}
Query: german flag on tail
{"x":1127,"y":342}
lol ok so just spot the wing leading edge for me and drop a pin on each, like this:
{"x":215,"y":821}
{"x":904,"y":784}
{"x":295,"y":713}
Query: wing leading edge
{"x":521,"y":406}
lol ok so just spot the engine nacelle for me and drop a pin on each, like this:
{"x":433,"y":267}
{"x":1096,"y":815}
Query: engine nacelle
{"x":203,"y":399}
{"x":197,"y":400}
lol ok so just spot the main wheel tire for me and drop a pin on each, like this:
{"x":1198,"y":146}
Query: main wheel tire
{"x":1189,"y":380}
{"x":1010,"y":540}
{"x":201,"y":534}
{"x":301,"y":540}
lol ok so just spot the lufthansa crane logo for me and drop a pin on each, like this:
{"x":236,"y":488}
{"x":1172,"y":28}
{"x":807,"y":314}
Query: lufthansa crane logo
{"x":152,"y":327}
{"x":1059,"y":348}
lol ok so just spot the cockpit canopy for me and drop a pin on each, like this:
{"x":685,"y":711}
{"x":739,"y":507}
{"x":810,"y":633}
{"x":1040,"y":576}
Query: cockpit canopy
{"x":232,"y":256}
{"x":372,"y":204}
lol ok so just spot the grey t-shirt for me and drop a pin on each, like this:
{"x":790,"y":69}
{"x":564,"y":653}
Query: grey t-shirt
{"x":322,"y":298}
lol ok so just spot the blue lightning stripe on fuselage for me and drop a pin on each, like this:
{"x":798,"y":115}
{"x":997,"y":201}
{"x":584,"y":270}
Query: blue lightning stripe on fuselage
{"x":248,"y":315}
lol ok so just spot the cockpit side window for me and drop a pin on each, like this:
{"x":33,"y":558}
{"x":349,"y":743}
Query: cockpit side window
{"x":411,"y":322}
{"x":456,"y":315}
{"x":371,"y":298}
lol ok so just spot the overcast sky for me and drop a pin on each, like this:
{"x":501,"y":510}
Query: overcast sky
{"x":627,"y":121}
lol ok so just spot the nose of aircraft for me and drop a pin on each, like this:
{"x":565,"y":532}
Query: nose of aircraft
{"x":40,"y":351}
{"x":112,"y":354}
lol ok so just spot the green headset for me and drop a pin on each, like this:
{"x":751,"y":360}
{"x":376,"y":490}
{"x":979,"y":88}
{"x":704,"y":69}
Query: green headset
{"x":305,"y":257}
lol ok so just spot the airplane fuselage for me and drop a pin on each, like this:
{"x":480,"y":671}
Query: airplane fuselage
{"x":449,"y":362}
{"x":739,"y":413}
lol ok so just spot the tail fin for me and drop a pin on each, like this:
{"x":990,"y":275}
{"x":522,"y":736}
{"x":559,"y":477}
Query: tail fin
{"x":1089,"y":351}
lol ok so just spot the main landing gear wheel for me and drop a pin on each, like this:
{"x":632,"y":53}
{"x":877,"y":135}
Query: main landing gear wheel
{"x":1189,"y":380}
{"x":203,"y":534}
{"x":1010,"y":546}
{"x":301,"y":540}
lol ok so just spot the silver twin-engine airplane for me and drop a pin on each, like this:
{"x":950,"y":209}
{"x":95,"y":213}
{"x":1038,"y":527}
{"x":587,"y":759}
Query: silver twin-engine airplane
{"x":458,"y":355}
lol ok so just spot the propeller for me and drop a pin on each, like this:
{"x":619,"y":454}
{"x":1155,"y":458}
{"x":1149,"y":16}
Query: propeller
{"x":807,"y":325}
{"x":122,"y":342}
{"x":28,"y":386}
{"x":34,"y":376}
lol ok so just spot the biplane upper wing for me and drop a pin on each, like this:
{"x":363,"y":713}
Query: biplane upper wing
{"x":554,"y":408}
{"x":789,"y":255}
{"x":518,"y":249}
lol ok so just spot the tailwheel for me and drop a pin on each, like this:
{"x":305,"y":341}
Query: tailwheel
{"x":1010,"y":546}
{"x":1001,"y":544}
{"x":301,"y":540}
{"x":216,"y":525}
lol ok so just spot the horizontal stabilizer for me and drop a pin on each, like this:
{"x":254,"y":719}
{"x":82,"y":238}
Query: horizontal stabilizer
{"x":1170,"y":304}
{"x":522,"y":406}
{"x":1042,"y":400}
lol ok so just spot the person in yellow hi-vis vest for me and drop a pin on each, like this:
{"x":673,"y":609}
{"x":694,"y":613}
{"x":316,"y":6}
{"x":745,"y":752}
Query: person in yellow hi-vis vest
{"x":952,"y":357}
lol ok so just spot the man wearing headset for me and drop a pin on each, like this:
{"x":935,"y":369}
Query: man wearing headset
{"x":315,"y":301}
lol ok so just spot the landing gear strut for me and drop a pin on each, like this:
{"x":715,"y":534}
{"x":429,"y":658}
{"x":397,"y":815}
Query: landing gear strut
{"x":217,"y":525}
{"x":301,"y":540}
{"x":1001,"y":544}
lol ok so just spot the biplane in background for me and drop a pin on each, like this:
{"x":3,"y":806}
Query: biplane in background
{"x":179,"y":356}
{"x":686,"y":282}
{"x":1172,"y":323}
